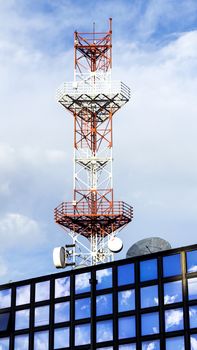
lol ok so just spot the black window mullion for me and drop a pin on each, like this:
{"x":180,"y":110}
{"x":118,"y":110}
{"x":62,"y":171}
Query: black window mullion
{"x":185,"y":302}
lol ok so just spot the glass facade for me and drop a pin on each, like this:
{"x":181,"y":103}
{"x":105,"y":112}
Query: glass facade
{"x":143,"y":303}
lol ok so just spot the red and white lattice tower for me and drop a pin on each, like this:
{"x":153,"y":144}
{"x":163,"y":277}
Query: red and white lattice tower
{"x":92,"y":98}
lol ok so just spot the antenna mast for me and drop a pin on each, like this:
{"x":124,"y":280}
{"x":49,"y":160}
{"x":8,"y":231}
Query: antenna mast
{"x":92,"y":98}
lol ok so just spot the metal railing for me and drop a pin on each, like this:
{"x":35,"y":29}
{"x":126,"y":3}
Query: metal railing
{"x":84,"y":209}
{"x":78,"y":88}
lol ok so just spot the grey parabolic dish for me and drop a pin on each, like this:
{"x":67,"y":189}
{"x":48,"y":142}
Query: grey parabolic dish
{"x":148,"y":246}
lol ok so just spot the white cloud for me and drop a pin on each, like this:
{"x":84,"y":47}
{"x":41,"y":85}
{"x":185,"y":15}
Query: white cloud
{"x":62,"y":287}
{"x":169,"y":299}
{"x":173,"y":318}
{"x":154,"y":135}
{"x":125,"y":296}
{"x":82,"y":281}
{"x":3,"y":268}
{"x":192,"y":286}
{"x":193,"y":343}
{"x":193,"y":268}
{"x":100,"y":274}
{"x":19,"y":230}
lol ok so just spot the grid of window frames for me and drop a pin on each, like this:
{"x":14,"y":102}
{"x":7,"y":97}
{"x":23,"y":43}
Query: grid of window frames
{"x":148,"y":302}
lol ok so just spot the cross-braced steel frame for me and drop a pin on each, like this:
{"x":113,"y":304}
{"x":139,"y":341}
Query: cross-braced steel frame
{"x":93,"y":98}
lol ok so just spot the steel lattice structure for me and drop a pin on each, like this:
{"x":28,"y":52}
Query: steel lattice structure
{"x":93,"y":98}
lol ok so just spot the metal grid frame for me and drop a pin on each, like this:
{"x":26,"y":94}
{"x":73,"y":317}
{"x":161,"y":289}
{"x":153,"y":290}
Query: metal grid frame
{"x":115,"y":315}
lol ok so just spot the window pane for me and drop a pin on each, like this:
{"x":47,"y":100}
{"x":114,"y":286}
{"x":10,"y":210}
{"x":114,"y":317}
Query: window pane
{"x":41,"y":316}
{"x":23,"y":295}
{"x":173,"y":292}
{"x":4,"y":343}
{"x":5,"y":298}
{"x":4,"y":321}
{"x":104,"y":331}
{"x":151,"y":344}
{"x":193,"y":340}
{"x":62,"y":287}
{"x":42,"y":291}
{"x":82,"y":308}
{"x":149,"y":296}
{"x":192,"y":288}
{"x":192,"y":261}
{"x":193,"y":316}
{"x":126,"y":327}
{"x":21,"y":342}
{"x":106,"y":348}
{"x":82,"y":283}
{"x":127,"y":347}
{"x":173,"y":320}
{"x":82,"y":334}
{"x":22,"y":319}
{"x":41,"y":340}
{"x":126,"y":300}
{"x":62,"y":312}
{"x":150,"y":323}
{"x":104,"y":304}
{"x":171,"y":265}
{"x":175,"y":343}
{"x":148,"y":270}
{"x":61,"y":338}
{"x":104,"y":278}
{"x":125,"y":274}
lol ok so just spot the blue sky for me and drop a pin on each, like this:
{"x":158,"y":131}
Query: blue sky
{"x":155,"y":53}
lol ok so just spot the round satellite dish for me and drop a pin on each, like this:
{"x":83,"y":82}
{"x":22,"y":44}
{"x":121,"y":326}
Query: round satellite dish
{"x":148,"y":246}
{"x":115,"y":244}
{"x":59,"y":257}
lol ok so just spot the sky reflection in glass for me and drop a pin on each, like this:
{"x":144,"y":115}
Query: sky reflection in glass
{"x":173,"y":320}
{"x":41,"y":316}
{"x":151,"y":345}
{"x":62,"y":287}
{"x":5,"y":298}
{"x":42,"y":291}
{"x":171,"y":265}
{"x":104,"y":278}
{"x":82,"y":308}
{"x":22,"y":319}
{"x":4,"y":321}
{"x":150,"y":323}
{"x":62,"y":312}
{"x":126,"y":300}
{"x":192,"y":288}
{"x":82,"y":283}
{"x":173,"y":292}
{"x":193,"y":341}
{"x":21,"y":342}
{"x":104,"y":304}
{"x":193,"y":316}
{"x":104,"y":331}
{"x":4,"y":343}
{"x":82,"y":334}
{"x":149,"y":296}
{"x":148,"y":270}
{"x":61,"y":338}
{"x":125,"y":274}
{"x":127,"y":347}
{"x":192,"y":261}
{"x":41,"y":340}
{"x":23,"y":295}
{"x":126,"y":327}
{"x":176,"y":343}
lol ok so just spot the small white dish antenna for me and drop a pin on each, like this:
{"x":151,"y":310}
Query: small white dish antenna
{"x":59,"y":257}
{"x":115,"y":244}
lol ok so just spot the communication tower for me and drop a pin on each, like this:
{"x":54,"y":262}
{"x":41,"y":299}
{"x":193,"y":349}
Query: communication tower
{"x":93,"y":99}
